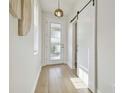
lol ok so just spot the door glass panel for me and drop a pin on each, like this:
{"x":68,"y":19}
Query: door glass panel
{"x":55,"y":40}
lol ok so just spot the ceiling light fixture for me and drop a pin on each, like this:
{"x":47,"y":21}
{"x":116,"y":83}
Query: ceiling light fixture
{"x":58,"y":12}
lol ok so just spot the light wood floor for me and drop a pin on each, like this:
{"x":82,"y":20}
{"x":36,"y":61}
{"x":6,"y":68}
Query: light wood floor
{"x":58,"y":79}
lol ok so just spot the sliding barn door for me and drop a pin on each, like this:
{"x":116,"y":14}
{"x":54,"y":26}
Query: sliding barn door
{"x":86,"y":46}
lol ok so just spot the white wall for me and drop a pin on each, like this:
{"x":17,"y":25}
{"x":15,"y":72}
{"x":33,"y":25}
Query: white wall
{"x":86,"y":41}
{"x":106,"y":46}
{"x":24,"y":65}
{"x":47,"y":19}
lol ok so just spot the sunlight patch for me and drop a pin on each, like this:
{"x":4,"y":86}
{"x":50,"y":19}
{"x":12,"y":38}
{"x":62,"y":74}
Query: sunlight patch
{"x":78,"y":84}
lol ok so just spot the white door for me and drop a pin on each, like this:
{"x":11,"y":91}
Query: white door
{"x":86,"y":47}
{"x":56,"y":43}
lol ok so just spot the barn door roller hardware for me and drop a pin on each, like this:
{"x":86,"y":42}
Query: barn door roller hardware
{"x":78,"y":12}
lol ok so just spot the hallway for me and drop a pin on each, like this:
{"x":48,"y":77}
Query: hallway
{"x":62,"y":46}
{"x":59,"y":79}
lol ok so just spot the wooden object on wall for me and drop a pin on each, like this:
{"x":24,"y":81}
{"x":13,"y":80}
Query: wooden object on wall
{"x":15,"y":8}
{"x":24,"y":23}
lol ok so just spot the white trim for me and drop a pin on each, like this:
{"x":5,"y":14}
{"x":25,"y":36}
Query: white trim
{"x":36,"y":81}
{"x":35,"y":52}
{"x":69,"y":64}
{"x":85,"y":69}
{"x":98,"y":91}
{"x":54,"y":64}
{"x":82,"y":74}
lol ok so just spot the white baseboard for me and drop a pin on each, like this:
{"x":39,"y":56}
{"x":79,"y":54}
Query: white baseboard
{"x":54,"y":64}
{"x":69,"y":64}
{"x":98,"y":91}
{"x":36,"y":81}
{"x":82,"y":67}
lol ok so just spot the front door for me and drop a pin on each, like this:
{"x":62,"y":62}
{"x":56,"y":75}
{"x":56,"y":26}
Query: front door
{"x":56,"y":44}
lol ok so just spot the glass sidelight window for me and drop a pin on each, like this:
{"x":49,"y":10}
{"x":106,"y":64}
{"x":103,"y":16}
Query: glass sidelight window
{"x":55,"y":41}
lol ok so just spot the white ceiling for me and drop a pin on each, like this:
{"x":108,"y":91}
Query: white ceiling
{"x":51,"y":5}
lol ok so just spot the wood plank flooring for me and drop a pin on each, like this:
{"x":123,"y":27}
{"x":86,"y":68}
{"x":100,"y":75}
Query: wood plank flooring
{"x":57,"y":79}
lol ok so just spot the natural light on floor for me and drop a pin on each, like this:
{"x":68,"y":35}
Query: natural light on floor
{"x":78,"y":84}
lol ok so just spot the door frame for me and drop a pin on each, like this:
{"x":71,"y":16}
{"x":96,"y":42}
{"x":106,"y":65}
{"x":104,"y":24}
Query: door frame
{"x":74,"y":46}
